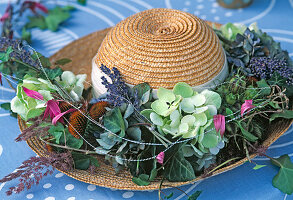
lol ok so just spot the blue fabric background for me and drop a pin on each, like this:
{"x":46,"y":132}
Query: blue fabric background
{"x":244,"y":183}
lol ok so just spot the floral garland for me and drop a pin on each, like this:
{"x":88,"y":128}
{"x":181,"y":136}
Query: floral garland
{"x":181,"y":129}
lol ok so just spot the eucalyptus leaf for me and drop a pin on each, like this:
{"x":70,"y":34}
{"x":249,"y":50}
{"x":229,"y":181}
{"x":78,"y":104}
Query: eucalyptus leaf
{"x":210,"y":140}
{"x":113,"y":120}
{"x":212,"y":98}
{"x":129,"y":110}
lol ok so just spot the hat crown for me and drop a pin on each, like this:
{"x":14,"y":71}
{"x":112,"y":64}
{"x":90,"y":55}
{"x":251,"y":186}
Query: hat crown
{"x":162,"y":47}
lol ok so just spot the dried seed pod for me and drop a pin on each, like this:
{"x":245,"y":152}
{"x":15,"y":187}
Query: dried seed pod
{"x":98,"y":110}
{"x":77,"y":123}
{"x":64,"y":106}
{"x":49,"y":148}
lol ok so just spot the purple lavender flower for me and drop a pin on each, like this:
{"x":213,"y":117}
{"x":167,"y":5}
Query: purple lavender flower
{"x":265,"y":67}
{"x":119,"y":92}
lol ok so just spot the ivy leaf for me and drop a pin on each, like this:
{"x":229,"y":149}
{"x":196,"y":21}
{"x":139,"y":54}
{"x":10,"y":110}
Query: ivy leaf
{"x":63,"y":61}
{"x":284,"y":179}
{"x":195,"y":195}
{"x":179,"y":169}
{"x":250,"y":137}
{"x":36,"y":22}
{"x":287,"y":114}
{"x":169,"y":196}
{"x":55,"y":17}
{"x":81,"y":161}
{"x":82,"y":2}
{"x":265,"y":88}
{"x":141,"y":180}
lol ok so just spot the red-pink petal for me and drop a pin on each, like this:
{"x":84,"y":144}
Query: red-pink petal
{"x":1,"y":79}
{"x":41,"y":7}
{"x":33,"y":94}
{"x":219,"y":122}
{"x":160,"y":158}
{"x":54,"y":108}
{"x":58,"y":117}
{"x":246,"y":106}
{"x":4,"y":16}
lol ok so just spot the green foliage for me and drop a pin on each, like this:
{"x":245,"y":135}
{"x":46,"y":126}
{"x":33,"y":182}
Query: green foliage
{"x":195,"y":195}
{"x":287,"y":114}
{"x":141,"y":180}
{"x":113,"y":120}
{"x":63,"y":61}
{"x":284,"y":179}
{"x":7,"y":106}
{"x":83,"y":161}
{"x":179,"y":169}
{"x":26,"y":35}
{"x":256,"y":167}
{"x":52,"y":21}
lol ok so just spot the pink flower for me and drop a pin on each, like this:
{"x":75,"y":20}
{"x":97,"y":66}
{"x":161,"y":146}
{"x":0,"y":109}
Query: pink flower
{"x":33,"y":5}
{"x":1,"y":79}
{"x":58,"y":117}
{"x":219,"y":121}
{"x":160,"y":158}
{"x":52,"y":109}
{"x":33,"y":94}
{"x":6,"y":15}
{"x":246,"y":106}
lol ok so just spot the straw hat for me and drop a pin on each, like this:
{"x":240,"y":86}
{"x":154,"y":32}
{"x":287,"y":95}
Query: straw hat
{"x":162,"y":47}
{"x":81,"y":53}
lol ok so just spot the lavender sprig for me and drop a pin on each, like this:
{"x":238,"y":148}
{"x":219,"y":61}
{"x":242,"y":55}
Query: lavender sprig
{"x":119,"y":92}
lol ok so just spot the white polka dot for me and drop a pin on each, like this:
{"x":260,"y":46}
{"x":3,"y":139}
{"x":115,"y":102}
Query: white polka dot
{"x":217,"y":18}
{"x":69,"y":187}
{"x":91,"y":187}
{"x":185,"y":9}
{"x":47,"y":185}
{"x":151,"y":190}
{"x":200,"y":6}
{"x":59,"y":175}
{"x":213,"y":10}
{"x":203,"y":17}
{"x":71,"y":198}
{"x":228,"y":14}
{"x":240,"y":9}
{"x":215,"y":5}
{"x":196,"y":12}
{"x":187,"y":3}
{"x":29,"y":196}
{"x":50,"y":198}
{"x":127,"y":195}
{"x":1,"y":149}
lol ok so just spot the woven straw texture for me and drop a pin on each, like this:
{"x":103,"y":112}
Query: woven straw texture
{"x":162,"y":47}
{"x":81,"y":52}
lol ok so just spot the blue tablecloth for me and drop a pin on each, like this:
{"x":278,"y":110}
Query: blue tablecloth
{"x":274,"y":17}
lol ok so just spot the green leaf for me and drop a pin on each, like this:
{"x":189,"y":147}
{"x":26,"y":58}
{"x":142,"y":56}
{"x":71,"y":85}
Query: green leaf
{"x":5,"y":106}
{"x":94,"y":161}
{"x":71,"y":141}
{"x":36,"y":22}
{"x":210,"y":140}
{"x":53,"y":73}
{"x":55,"y":17}
{"x":165,"y":95}
{"x":258,"y":166}
{"x":134,"y":133}
{"x":183,"y":89}
{"x":265,"y":88}
{"x":113,"y":120}
{"x":26,"y":35}
{"x":153,"y":175}
{"x":129,"y":110}
{"x":169,"y":196}
{"x":81,"y":161}
{"x":82,"y":2}
{"x":195,"y":195}
{"x":63,"y":61}
{"x":57,"y":132}
{"x":139,"y":181}
{"x":141,"y":89}
{"x":284,"y":179}
{"x":212,"y":98}
{"x":287,"y":114}
{"x":246,"y":134}
{"x":198,"y":100}
{"x":156,"y":119}
{"x":179,"y":169}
